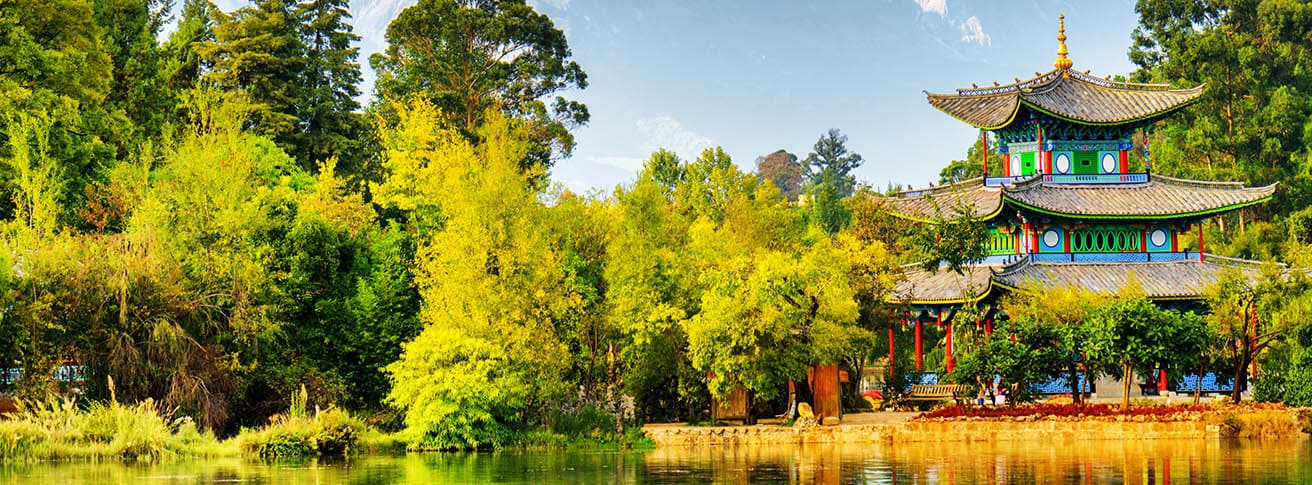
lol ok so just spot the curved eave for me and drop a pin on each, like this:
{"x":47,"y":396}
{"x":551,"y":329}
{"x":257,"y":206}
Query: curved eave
{"x":982,"y":217}
{"x":1017,"y":289}
{"x":1015,"y":108}
{"x":1136,"y":217}
{"x":1072,"y":119}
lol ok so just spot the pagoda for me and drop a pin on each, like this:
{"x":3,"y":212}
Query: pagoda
{"x":1069,"y":209}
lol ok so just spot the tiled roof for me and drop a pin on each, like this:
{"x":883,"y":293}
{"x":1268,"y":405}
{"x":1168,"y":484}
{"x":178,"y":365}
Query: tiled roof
{"x":1159,"y":197}
{"x":945,"y":286}
{"x":1160,"y":280}
{"x":1079,"y":97}
{"x":1185,"y":279}
{"x":971,"y":195}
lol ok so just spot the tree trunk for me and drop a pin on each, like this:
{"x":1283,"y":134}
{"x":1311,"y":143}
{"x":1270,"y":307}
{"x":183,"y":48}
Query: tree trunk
{"x":1240,"y":378}
{"x":1076,"y":396}
{"x":1126,"y":376}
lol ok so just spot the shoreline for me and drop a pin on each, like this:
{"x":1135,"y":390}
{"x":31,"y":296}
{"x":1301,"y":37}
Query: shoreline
{"x":1230,"y":421}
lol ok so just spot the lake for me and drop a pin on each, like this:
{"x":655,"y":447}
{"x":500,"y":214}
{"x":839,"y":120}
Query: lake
{"x":1097,"y":462}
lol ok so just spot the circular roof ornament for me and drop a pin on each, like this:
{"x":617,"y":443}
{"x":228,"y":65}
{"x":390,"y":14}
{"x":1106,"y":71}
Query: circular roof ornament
{"x":1063,"y":163}
{"x":1051,"y":238}
{"x":1158,"y":237}
{"x":1109,"y":163}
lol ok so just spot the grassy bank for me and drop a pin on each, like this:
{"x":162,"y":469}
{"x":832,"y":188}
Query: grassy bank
{"x":61,"y":429}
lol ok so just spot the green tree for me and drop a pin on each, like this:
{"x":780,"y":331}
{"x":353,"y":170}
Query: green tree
{"x":664,"y":168}
{"x":328,"y":125}
{"x":765,"y":320}
{"x":131,"y":29}
{"x":829,"y":180}
{"x":259,"y":52}
{"x":973,"y":165}
{"x":183,"y":64}
{"x":1132,"y":332}
{"x":1248,"y":315}
{"x":55,"y":68}
{"x":1063,"y":313}
{"x":469,"y":57}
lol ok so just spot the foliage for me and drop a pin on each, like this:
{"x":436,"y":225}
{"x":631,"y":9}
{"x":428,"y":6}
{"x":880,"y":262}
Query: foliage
{"x":953,"y":239}
{"x":784,"y":171}
{"x":1131,"y":332}
{"x":973,"y":165}
{"x":1062,"y":313}
{"x":472,"y":58}
{"x":830,"y":180}
{"x":59,"y":429}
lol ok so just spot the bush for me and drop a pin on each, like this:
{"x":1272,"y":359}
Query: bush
{"x":330,"y":433}
{"x":19,"y":439}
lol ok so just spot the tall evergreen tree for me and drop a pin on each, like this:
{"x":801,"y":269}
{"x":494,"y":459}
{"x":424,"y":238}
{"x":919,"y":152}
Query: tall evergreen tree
{"x":259,"y":51}
{"x":830,"y":180}
{"x":329,"y":126}
{"x":183,"y":65}
{"x":136,"y":97}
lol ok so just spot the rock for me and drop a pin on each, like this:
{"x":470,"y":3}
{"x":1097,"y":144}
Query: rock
{"x":830,"y":421}
{"x":804,"y":411}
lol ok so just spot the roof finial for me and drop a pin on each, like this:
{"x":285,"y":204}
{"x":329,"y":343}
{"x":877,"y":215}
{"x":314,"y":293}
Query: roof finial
{"x":1062,"y":63}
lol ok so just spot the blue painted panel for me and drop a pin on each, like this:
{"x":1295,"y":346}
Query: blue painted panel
{"x":1162,"y":235}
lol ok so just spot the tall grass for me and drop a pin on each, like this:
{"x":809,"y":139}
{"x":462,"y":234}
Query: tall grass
{"x":300,"y":433}
{"x":58,"y":428}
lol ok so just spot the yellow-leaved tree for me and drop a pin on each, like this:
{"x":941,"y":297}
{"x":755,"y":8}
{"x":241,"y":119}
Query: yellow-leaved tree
{"x":491,"y":281}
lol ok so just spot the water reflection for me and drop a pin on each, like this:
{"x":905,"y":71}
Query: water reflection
{"x":1070,"y":462}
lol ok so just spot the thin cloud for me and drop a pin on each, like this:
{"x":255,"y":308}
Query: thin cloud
{"x":624,"y":163}
{"x":939,"y":7}
{"x":666,"y":132}
{"x":973,"y":32}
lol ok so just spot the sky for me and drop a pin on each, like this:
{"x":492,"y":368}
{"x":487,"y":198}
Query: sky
{"x":759,"y":76}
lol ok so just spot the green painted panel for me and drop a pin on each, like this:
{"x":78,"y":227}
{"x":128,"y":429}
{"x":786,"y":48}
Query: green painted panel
{"x":1106,"y":239}
{"x":999,"y":242}
{"x":1086,"y":163}
{"x":1026,"y":163}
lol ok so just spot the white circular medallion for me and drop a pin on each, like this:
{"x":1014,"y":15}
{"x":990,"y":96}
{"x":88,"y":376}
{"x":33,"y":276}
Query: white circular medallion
{"x":1051,"y":238}
{"x":1109,"y":163}
{"x":1063,"y":163}
{"x":1158,"y":238}
{"x":1015,"y":165}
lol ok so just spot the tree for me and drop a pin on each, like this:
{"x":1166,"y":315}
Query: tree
{"x":260,"y":53}
{"x":328,"y":125}
{"x":973,"y":165}
{"x":829,"y":180}
{"x":784,"y":171}
{"x":1249,"y":315}
{"x":1063,"y":312}
{"x":709,"y":184}
{"x":663,"y":168}
{"x":765,"y":320}
{"x":495,"y":290}
{"x":469,"y":57}
{"x":55,"y":69}
{"x":183,"y":64}
{"x":1131,"y":331}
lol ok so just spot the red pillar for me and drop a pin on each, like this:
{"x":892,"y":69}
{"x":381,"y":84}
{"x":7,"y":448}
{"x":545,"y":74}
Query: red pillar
{"x":890,"y":350}
{"x":951,"y":360}
{"x":1006,"y":164}
{"x":984,"y":139}
{"x":1125,"y":162}
{"x":919,"y":349}
{"x":1200,"y":242}
{"x":988,"y":326}
{"x":1161,"y":381}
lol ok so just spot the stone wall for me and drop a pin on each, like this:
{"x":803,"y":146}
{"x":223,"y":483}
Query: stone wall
{"x":1211,"y":426}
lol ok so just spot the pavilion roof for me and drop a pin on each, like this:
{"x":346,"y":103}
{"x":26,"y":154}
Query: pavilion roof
{"x":1160,"y":197}
{"x":1064,"y":94}
{"x":1161,"y":280}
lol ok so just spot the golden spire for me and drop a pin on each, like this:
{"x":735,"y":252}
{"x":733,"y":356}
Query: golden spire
{"x":1062,"y":62}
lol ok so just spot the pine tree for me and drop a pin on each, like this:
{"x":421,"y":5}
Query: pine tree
{"x":259,"y":52}
{"x":329,"y":124}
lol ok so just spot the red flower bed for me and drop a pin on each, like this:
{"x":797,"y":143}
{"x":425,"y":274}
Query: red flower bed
{"x":1063,"y":410}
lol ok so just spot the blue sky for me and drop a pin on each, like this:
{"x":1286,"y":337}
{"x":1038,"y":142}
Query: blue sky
{"x":757,"y":76}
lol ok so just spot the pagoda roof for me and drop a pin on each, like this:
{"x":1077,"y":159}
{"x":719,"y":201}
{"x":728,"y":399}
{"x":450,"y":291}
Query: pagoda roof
{"x":1064,"y":94}
{"x":1160,"y":280}
{"x":1157,"y":198}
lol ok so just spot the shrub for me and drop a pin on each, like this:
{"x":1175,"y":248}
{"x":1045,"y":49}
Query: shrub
{"x":328,"y":433}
